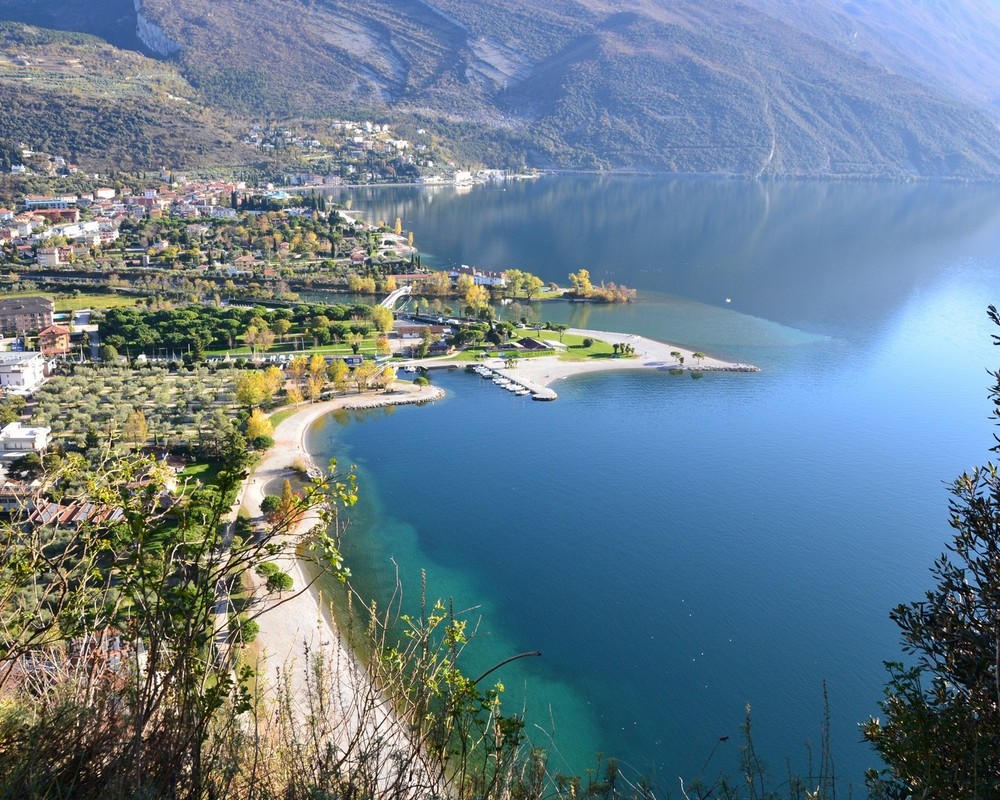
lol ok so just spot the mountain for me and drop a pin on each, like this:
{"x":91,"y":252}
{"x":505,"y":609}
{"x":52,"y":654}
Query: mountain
{"x":75,"y":95}
{"x":758,"y":87}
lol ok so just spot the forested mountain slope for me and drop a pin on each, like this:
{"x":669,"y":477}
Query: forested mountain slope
{"x":762,"y":87}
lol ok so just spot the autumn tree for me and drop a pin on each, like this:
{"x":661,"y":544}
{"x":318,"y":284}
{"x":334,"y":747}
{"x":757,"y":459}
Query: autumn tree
{"x":532,"y":285}
{"x":514,"y":279}
{"x":338,"y":372}
{"x":363,"y":374}
{"x":315,"y":385}
{"x":382,"y":318}
{"x":582,"y":286}
{"x":274,"y":379}
{"x":251,"y":388}
{"x":387,"y":377}
{"x":477,"y":298}
{"x":463,"y":284}
{"x":258,"y":424}
{"x":135,"y":429}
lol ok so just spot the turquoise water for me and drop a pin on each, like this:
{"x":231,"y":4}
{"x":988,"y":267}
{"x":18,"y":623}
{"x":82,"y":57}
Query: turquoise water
{"x":681,"y":548}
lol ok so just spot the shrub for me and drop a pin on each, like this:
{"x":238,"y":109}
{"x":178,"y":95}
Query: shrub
{"x":267,"y":569}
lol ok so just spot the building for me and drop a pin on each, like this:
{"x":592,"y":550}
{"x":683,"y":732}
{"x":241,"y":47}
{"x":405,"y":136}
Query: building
{"x":48,"y":257}
{"x":15,"y":437}
{"x":22,"y":372}
{"x":24,"y":314}
{"x":49,"y":201}
{"x":54,"y":340}
{"x":480,"y":277}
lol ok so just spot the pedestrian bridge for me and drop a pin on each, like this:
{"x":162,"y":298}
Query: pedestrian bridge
{"x":390,"y":301}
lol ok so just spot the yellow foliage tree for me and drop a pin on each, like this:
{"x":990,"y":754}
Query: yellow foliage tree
{"x":274,"y":378}
{"x":259,"y":425}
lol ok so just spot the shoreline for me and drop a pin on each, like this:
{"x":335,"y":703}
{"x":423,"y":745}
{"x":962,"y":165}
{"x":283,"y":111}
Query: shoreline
{"x":296,"y":628}
{"x":539,"y":373}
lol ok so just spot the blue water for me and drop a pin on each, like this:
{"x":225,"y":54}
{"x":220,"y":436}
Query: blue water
{"x":681,"y":548}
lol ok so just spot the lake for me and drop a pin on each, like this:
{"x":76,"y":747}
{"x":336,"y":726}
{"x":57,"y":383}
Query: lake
{"x":678,"y":548}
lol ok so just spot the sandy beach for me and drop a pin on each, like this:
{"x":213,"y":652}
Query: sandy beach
{"x":294,"y":628}
{"x":539,"y":373}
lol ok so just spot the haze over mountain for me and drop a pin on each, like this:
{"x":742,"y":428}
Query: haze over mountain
{"x":761,"y":87}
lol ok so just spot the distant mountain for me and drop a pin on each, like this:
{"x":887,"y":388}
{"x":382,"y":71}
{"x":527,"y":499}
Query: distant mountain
{"x":759,"y":87}
{"x":74,"y":95}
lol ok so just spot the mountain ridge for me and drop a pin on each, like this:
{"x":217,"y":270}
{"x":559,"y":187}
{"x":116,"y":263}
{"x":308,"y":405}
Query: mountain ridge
{"x":754,"y":88}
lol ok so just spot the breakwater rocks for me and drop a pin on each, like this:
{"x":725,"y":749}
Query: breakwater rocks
{"x":726,"y":368}
{"x":428,"y":395}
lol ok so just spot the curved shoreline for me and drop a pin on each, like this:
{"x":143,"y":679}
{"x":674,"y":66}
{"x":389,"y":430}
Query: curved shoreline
{"x":538,"y":373}
{"x":294,"y":628}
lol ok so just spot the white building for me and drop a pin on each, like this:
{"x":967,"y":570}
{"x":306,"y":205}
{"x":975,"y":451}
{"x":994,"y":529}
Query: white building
{"x":18,"y":438}
{"x":480,"y":277}
{"x":22,"y":372}
{"x":48,"y":257}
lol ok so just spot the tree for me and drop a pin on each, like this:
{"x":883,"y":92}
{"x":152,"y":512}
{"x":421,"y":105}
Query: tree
{"x":532,"y":285}
{"x":107,"y":353}
{"x":315,"y":385}
{"x":560,"y":328}
{"x":382,"y":317}
{"x":279,"y":582}
{"x":477,"y":298}
{"x":258,"y":424}
{"x":26,"y":467}
{"x":939,"y":736}
{"x":387,"y":377}
{"x":513,"y":281}
{"x":274,"y":379}
{"x":382,"y":346}
{"x":463,"y":283}
{"x":135,"y":429}
{"x":426,"y":340}
{"x":337,"y":372}
{"x":355,"y":340}
{"x":363,"y":374}
{"x":251,"y":388}
{"x":582,"y":286}
{"x":281,"y":327}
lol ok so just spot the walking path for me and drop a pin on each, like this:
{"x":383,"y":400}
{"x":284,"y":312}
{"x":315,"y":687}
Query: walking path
{"x":296,"y":628}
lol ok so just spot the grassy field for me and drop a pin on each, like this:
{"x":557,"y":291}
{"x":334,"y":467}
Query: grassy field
{"x":70,"y":303}
{"x":205,"y":473}
{"x":280,"y":416}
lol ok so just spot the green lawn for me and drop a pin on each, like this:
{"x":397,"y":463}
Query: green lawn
{"x":204,"y":472}
{"x":280,"y":416}
{"x":67,"y":303}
